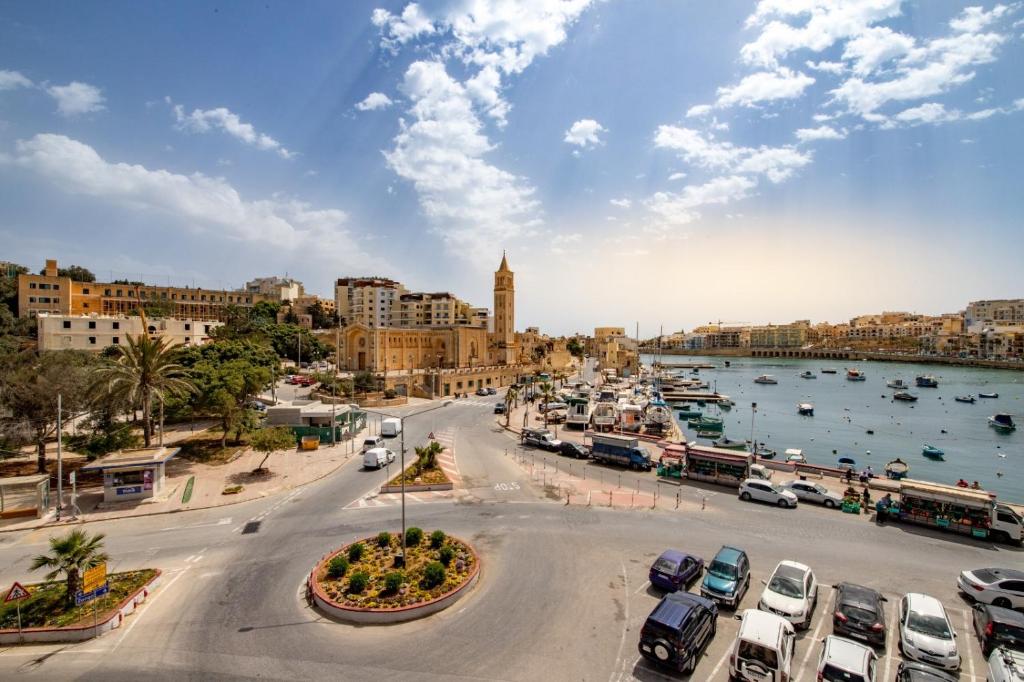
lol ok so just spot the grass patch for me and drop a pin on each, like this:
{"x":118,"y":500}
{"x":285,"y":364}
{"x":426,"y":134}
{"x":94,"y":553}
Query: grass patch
{"x":205,"y":449}
{"x":424,"y":577}
{"x":232,"y":490}
{"x":46,"y":608}
{"x":432,"y":476}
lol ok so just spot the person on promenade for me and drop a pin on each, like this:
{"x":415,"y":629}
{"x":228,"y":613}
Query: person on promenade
{"x":882,"y":508}
{"x":867,"y":499}
{"x":975,"y":486}
{"x":962,"y":484}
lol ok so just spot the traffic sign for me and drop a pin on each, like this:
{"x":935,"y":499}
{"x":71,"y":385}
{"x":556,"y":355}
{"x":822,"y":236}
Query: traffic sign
{"x":16,"y":593}
{"x":83,"y":597}
{"x":94,"y":577}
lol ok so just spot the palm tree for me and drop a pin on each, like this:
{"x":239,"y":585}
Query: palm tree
{"x":561,"y":377}
{"x":547,"y":395}
{"x":71,"y":555}
{"x":141,"y":372}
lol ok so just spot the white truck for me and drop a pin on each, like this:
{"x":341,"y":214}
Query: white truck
{"x":390,"y":427}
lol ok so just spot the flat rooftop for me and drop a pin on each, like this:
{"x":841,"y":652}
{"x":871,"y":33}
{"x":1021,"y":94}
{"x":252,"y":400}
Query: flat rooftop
{"x":141,"y":457}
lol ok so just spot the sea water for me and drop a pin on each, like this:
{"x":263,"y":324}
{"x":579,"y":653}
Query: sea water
{"x":844,"y":412}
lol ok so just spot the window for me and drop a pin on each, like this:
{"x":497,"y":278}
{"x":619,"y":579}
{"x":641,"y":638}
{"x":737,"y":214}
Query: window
{"x":92,"y":340}
{"x":31,"y":285}
{"x":85,"y":292}
{"x":188,"y":327}
{"x":116,"y":325}
{"x":92,"y":324}
{"x":206,"y":329}
{"x":85,"y":305}
{"x":106,"y":292}
{"x":56,"y":286}
{"x":116,"y":340}
{"x":120,"y":292}
{"x":31,"y":299}
{"x":67,"y":324}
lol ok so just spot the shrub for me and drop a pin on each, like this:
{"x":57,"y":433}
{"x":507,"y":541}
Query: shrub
{"x":390,"y":394}
{"x":433,"y":574}
{"x":337,"y":567}
{"x":383,"y":538}
{"x":358,"y":582}
{"x":447,"y":554}
{"x":413,"y":536}
{"x":355,"y":552}
{"x":393,"y":581}
{"x":437,"y":539}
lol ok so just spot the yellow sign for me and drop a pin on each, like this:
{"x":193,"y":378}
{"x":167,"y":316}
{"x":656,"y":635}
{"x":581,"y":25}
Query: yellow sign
{"x":94,"y":578}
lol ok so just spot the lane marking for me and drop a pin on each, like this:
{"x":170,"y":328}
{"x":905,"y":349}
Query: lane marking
{"x":968,"y":628}
{"x":618,"y":672}
{"x":817,"y":631}
{"x":141,"y":612}
{"x":221,"y":522}
{"x":642,"y":587}
{"x":721,"y":662}
{"x":889,"y":648}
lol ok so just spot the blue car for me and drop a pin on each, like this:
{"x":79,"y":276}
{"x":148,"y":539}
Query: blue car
{"x":675,"y":570}
{"x":678,"y":631}
{"x":728,"y":577}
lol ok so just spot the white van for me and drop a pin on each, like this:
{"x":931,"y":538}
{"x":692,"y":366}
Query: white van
{"x":372,"y":442}
{"x":390,"y":427}
{"x":763,"y":649}
{"x":377,"y":458}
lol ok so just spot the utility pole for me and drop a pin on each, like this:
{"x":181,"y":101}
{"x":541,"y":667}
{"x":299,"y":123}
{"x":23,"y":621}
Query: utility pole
{"x":60,"y":470}
{"x":161,"y":422}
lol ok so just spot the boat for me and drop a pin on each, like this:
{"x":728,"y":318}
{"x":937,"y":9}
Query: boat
{"x":687,"y":413}
{"x":847,"y":463}
{"x":1002,"y":422}
{"x":964,"y":399}
{"x":898,"y":384}
{"x":905,"y":396}
{"x":806,"y":409}
{"x":795,"y":456}
{"x":927,"y":381}
{"x":766,"y":379}
{"x":710,"y":435}
{"x":855,"y":375}
{"x":730,"y":444}
{"x":604,"y":415}
{"x":765,"y":452}
{"x":988,"y":395}
{"x":808,"y":374}
{"x":657,"y":415}
{"x":829,"y":370}
{"x":726,"y":403}
{"x":630,"y":417}
{"x":579,"y":412}
{"x":897,"y":469}
{"x":932,"y":451}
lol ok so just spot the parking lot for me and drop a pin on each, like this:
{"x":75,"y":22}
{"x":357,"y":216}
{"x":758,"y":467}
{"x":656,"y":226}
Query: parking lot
{"x":714,"y":665}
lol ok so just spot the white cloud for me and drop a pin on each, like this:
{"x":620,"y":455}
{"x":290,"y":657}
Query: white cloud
{"x":485,"y":89}
{"x":764,"y":86}
{"x":374,"y":101}
{"x":621,"y":203}
{"x":974,"y":19}
{"x":699,"y":110}
{"x":399,"y":29}
{"x":819,"y":133}
{"x":473,"y":204}
{"x":9,"y":80}
{"x":221,"y":118}
{"x":199,"y":202}
{"x":77,"y":98}
{"x":776,"y":163}
{"x":936,"y":113}
{"x":834,"y":68}
{"x":679,"y":208}
{"x":874,"y":47}
{"x":585,"y":133}
{"x":677,"y":176}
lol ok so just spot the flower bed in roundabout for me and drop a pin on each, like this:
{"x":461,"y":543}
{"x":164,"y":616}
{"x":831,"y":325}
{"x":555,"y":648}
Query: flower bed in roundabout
{"x":361,"y":583}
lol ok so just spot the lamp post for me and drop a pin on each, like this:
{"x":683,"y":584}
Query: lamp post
{"x":753,"y":411}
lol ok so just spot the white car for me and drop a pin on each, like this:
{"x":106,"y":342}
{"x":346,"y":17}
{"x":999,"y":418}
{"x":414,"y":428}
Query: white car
{"x":791,"y":592}
{"x":845,"y":661}
{"x":763,"y":649}
{"x":766,"y":491}
{"x":926,"y":634}
{"x":996,"y":586}
{"x":814,"y":492}
{"x":377,"y":458}
{"x":1005,"y":665}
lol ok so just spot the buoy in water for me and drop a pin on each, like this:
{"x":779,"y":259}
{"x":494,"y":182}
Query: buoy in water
{"x":870,"y":432}
{"x":943,"y":430}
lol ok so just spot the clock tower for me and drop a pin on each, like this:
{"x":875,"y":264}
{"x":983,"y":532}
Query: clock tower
{"x":505,"y":312}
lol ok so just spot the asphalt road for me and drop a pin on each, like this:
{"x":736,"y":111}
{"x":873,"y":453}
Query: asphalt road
{"x":563,"y":591}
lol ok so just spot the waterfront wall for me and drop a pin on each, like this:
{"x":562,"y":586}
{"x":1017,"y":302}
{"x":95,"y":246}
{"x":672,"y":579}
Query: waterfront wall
{"x":831,"y":354}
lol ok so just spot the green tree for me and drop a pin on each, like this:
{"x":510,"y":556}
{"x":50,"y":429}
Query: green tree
{"x":71,"y":555}
{"x":271,"y":439}
{"x":224,"y":390}
{"x":143,"y":372}
{"x":574,"y":347}
{"x":285,"y":340}
{"x":29,"y":385}
{"x":511,"y":401}
{"x":547,"y":395}
{"x":9,"y":284}
{"x":75,"y":272}
{"x":321,"y":318}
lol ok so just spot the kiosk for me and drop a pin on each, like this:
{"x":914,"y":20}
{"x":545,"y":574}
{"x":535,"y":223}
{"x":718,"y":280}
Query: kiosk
{"x":133,"y":474}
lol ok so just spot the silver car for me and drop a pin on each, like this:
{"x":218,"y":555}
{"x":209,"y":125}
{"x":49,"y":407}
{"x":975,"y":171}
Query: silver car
{"x":814,"y":492}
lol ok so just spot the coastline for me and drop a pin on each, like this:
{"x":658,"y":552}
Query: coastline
{"x":830,"y":354}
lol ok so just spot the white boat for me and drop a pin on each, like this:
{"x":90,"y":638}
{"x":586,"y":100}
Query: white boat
{"x":657,"y":414}
{"x":808,"y":374}
{"x":806,"y":409}
{"x":630,"y":417}
{"x":578,"y":413}
{"x":898,"y":384}
{"x":855,"y":375}
{"x":796,"y":456}
{"x":766,"y":379}
{"x":604,"y":415}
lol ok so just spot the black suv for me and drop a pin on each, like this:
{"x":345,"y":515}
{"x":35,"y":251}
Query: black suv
{"x":678,"y":631}
{"x":570,"y":449}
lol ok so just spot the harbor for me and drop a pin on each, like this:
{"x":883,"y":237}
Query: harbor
{"x":856,"y":417}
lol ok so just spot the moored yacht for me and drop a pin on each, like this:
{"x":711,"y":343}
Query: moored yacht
{"x":806,"y":409}
{"x":898,"y":384}
{"x":766,"y":379}
{"x":1002,"y":422}
{"x":855,"y":375}
{"x":808,"y":374}
{"x":927,"y":381}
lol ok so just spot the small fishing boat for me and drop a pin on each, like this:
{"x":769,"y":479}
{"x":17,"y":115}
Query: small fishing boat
{"x":726,"y":403}
{"x":927,"y":381}
{"x":688,"y":413}
{"x":710,"y":435}
{"x":1002,"y":422}
{"x":905,"y":396}
{"x":808,"y":375}
{"x":766,"y":379}
{"x":964,"y":399}
{"x":932,"y":452}
{"x":730,"y":444}
{"x":795,"y":456}
{"x":765,"y":452}
{"x":806,"y":409}
{"x":988,"y":395}
{"x":847,"y":463}
{"x":706,"y":420}
{"x":855,"y":375}
{"x":829,"y":370}
{"x":898,"y":384}
{"x":897,"y":469}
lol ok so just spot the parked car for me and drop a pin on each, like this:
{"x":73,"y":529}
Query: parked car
{"x":678,"y":631}
{"x":925,"y":632}
{"x":728,"y":577}
{"x":912,"y":671}
{"x":499,"y":408}
{"x":814,"y":492}
{"x":998,"y":627}
{"x":765,"y":491}
{"x":675,"y":570}
{"x":843,"y":660}
{"x":997,"y":586}
{"x":541,"y":438}
{"x":491,"y":391}
{"x":1005,"y":665}
{"x":371,"y":442}
{"x":859,"y":613}
{"x":575,"y":450}
{"x":376,"y":458}
{"x":791,"y":592}
{"x":763,"y":649}
{"x":481,"y":391}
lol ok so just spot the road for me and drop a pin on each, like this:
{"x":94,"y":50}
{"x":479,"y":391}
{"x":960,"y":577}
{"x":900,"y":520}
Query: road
{"x":563,"y":591}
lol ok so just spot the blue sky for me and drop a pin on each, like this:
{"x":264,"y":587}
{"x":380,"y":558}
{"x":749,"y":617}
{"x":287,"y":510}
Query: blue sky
{"x":648,"y":161}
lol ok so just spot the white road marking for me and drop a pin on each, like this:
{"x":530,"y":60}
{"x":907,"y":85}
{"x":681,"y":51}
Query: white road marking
{"x":141,"y":612}
{"x":721,"y":662}
{"x":618,"y":672}
{"x":817,"y":630}
{"x":222,"y":522}
{"x":642,"y":587}
{"x":890,"y":648}
{"x":965,"y":645}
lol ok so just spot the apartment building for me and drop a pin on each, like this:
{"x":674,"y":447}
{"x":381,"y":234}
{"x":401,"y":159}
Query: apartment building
{"x":440,"y":309}
{"x":994,"y":313}
{"x":779,"y":336}
{"x":97,"y":332}
{"x":367,"y":300}
{"x":284,"y":289}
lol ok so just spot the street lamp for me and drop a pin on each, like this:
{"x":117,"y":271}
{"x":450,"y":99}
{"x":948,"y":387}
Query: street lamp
{"x":401,"y":420}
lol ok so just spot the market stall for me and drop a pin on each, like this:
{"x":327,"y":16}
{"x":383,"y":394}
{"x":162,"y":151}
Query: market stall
{"x":959,"y":510}
{"x":716,"y":465}
{"x":133,"y":474}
